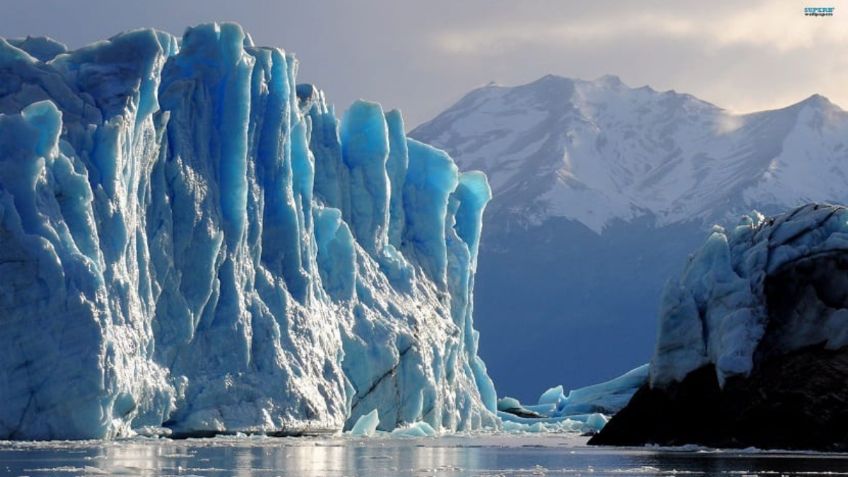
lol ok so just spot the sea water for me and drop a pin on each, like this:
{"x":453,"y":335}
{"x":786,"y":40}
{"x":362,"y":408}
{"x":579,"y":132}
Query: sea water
{"x":480,"y":455}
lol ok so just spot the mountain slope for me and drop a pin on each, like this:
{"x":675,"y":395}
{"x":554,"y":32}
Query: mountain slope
{"x":600,"y":192}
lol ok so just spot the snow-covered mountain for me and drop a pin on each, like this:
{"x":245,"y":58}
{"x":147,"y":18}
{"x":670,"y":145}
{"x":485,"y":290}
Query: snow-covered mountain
{"x":597,"y":151}
{"x":192,"y":243}
{"x":600,"y":192}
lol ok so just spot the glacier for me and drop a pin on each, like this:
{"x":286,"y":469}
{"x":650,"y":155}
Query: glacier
{"x":192,"y":243}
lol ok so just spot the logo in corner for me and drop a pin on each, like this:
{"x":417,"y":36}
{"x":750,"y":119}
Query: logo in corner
{"x":819,"y":11}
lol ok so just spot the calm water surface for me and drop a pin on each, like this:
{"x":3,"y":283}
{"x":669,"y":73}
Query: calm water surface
{"x":388,"y":457}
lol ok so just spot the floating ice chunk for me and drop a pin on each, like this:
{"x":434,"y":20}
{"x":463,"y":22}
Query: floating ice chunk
{"x":595,"y":422}
{"x":552,"y":395}
{"x":507,"y":402}
{"x":511,"y":426}
{"x":555,"y":424}
{"x":537,"y":427}
{"x":582,"y":410}
{"x":152,"y":431}
{"x":418,"y":429}
{"x":608,"y":397}
{"x":366,"y":425}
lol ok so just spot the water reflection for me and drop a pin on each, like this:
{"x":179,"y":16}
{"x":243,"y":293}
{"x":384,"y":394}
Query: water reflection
{"x":453,"y":456}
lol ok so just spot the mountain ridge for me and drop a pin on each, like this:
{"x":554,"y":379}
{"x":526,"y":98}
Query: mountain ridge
{"x":627,"y":178}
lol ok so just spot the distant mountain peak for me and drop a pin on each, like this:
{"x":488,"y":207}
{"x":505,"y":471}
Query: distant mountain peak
{"x":818,"y":101}
{"x":598,"y":150}
{"x":817,"y":98}
{"x":611,"y":81}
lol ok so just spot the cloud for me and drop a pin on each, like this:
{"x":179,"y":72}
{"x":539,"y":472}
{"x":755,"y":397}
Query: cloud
{"x":421,"y":56}
{"x":779,"y":26}
{"x":496,"y":39}
{"x":742,"y":56}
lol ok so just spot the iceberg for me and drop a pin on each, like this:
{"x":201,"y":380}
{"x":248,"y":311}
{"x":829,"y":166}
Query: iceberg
{"x":190,"y":241}
{"x":366,"y":425}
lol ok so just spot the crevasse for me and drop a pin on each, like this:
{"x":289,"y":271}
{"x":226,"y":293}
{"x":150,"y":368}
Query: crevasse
{"x":189,"y":241}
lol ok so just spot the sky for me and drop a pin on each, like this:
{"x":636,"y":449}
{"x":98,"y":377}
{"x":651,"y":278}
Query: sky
{"x":423,"y":55}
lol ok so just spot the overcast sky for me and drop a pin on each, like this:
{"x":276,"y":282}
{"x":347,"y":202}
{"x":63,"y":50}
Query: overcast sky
{"x":422,"y":55}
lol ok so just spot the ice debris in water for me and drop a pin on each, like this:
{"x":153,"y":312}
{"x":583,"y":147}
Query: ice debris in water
{"x":552,"y":395}
{"x":366,"y":425}
{"x":581,"y":410}
{"x":607,"y":397}
{"x":191,"y":241}
{"x":506,"y":403}
{"x":418,"y":429}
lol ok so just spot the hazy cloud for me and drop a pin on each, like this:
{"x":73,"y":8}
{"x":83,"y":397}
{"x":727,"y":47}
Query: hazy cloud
{"x":774,"y":25}
{"x":421,"y":55}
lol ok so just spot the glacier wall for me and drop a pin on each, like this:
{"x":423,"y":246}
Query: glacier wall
{"x":191,"y":242}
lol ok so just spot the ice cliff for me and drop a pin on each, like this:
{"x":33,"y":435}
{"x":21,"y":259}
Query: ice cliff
{"x":191,"y":242}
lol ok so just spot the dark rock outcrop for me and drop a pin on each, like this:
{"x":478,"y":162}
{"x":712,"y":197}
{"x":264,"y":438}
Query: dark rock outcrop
{"x":795,"y":401}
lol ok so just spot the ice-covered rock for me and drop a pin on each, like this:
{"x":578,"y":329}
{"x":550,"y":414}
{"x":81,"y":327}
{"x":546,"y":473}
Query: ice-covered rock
{"x":189,"y":240}
{"x":752,"y":347}
{"x":720,"y":309}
